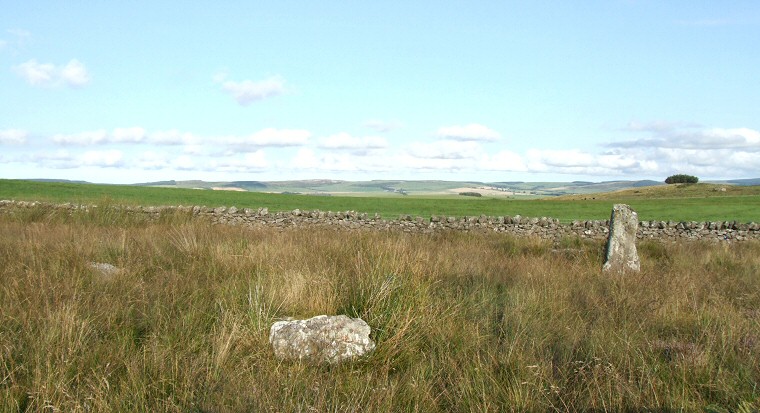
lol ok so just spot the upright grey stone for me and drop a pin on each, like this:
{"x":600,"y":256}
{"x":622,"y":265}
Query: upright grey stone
{"x":621,"y":244}
{"x":331,"y":339}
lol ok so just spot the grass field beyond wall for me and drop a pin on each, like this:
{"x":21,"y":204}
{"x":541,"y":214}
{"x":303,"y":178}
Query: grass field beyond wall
{"x":463,"y":322}
{"x":717,"y":207}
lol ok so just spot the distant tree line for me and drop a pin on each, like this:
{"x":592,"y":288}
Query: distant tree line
{"x":681,"y":179}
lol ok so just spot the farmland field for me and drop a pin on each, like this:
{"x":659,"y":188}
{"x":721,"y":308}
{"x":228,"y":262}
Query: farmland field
{"x":718,"y":206}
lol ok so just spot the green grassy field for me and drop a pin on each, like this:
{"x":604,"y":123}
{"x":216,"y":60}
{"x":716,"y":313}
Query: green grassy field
{"x":462,"y":322}
{"x":720,"y":207}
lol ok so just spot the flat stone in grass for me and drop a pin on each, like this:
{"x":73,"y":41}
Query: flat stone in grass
{"x":105,"y":269}
{"x":621,"y":244}
{"x":331,"y":339}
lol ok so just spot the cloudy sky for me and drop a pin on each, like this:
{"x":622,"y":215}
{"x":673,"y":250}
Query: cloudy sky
{"x":126,"y":92}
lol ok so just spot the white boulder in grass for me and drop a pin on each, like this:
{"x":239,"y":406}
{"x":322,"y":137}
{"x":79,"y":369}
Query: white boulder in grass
{"x":331,"y":339}
{"x":105,"y":269}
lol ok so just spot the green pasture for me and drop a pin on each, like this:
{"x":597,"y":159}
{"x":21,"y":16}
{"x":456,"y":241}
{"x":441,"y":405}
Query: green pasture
{"x":717,"y":208}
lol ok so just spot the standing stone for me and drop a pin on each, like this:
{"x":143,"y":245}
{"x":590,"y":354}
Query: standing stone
{"x":621,"y":244}
{"x":331,"y":339}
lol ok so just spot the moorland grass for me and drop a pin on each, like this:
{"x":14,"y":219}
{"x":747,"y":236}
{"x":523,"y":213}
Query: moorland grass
{"x":701,"y":190}
{"x":714,"y":208}
{"x":463,"y":321}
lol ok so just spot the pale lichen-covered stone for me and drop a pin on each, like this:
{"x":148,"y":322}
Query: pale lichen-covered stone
{"x":621,"y":243}
{"x":105,"y":269}
{"x":331,"y":339}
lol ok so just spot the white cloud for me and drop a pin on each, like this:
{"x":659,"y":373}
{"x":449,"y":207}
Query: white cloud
{"x":408,"y":161}
{"x":569,"y":162}
{"x":61,"y":159}
{"x":744,"y":138}
{"x":64,"y":159}
{"x":307,"y":159}
{"x":271,"y":137}
{"x":443,"y":155}
{"x":128,"y":135}
{"x":172,"y":137}
{"x":37,"y":74}
{"x":255,"y":160}
{"x":471,"y":132}
{"x":657,"y":126}
{"x":151,"y":160}
{"x":280,"y":137}
{"x":687,"y":137}
{"x":110,"y":158}
{"x":13,"y":136}
{"x":715,"y":163}
{"x":383,"y":126}
{"x":250,"y":162}
{"x":183,"y":163}
{"x":503,"y":161}
{"x":248,"y":91}
{"x":445,"y":149}
{"x":576,"y":162}
{"x":457,"y":156}
{"x":194,"y":150}
{"x":131,"y":135}
{"x":345,"y":141}
{"x":562,"y":158}
{"x":655,"y":150}
{"x":688,"y":148}
{"x":82,"y":138}
{"x":73,"y":74}
{"x":622,"y":162}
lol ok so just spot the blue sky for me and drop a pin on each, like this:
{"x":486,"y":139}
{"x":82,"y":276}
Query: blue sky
{"x":125,"y":92}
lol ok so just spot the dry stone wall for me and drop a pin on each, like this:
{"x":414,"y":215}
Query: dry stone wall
{"x":543,"y":227}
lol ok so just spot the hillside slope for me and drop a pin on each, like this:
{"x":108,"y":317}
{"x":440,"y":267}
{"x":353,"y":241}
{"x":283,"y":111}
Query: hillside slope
{"x":670,"y":191}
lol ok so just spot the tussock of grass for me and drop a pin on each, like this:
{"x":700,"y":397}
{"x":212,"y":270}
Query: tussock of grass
{"x":463,"y":322}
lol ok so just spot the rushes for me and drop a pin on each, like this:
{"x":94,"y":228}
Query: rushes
{"x":463,"y":322}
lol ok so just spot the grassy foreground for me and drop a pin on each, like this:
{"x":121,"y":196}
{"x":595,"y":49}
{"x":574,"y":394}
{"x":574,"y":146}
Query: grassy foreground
{"x":716,"y":207}
{"x":463,"y":322}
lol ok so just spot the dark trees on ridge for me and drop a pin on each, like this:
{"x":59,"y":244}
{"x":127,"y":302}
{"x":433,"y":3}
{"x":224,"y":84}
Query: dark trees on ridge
{"x":681,"y":179}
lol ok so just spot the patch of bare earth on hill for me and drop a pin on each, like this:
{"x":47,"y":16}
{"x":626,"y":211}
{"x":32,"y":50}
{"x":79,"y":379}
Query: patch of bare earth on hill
{"x":217,"y":188}
{"x":486,"y":191}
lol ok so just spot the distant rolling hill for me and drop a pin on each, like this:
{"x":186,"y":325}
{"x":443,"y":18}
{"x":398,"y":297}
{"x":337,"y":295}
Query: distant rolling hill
{"x":506,"y":189}
{"x":751,"y":182}
{"x":413,"y":187}
{"x":58,"y":180}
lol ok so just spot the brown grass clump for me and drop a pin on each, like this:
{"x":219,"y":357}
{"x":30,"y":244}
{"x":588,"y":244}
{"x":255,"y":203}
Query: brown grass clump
{"x":463,"y":322}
